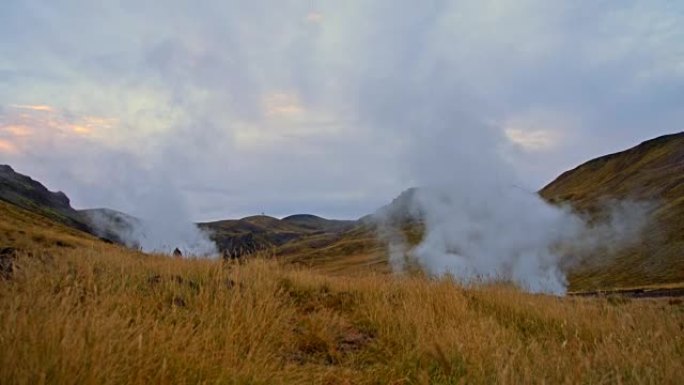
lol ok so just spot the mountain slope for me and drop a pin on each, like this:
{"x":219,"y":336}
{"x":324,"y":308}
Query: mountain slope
{"x":25,"y":193}
{"x":29,"y":194}
{"x":652,"y":171}
{"x":23,"y":229}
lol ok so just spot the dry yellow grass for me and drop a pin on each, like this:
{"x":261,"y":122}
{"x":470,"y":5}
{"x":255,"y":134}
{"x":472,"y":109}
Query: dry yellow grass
{"x":102,"y":315}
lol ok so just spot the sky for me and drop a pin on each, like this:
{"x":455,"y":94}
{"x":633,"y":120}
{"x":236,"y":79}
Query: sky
{"x":223,"y":109}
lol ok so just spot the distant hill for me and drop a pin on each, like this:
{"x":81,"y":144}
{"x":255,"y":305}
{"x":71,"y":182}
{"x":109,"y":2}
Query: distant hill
{"x":22,"y":191}
{"x":316,"y":223}
{"x":26,"y":193}
{"x":652,"y":171}
{"x":237,"y":237}
{"x":234,"y":237}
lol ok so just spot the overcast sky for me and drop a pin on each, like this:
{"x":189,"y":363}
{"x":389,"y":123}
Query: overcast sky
{"x":230,"y":108}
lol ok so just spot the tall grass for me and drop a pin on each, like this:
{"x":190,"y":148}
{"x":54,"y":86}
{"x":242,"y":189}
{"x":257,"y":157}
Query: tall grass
{"x":102,"y":315}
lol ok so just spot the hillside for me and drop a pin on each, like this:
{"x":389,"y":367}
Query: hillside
{"x":362,"y":247}
{"x":653,"y":172}
{"x":29,"y":194}
{"x":354,"y":251}
{"x":26,"y":230}
{"x":248,"y":235}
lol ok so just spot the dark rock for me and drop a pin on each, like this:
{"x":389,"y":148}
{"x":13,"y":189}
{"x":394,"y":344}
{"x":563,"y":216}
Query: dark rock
{"x":7,"y":257}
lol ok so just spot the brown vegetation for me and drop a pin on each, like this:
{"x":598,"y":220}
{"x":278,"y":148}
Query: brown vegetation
{"x":105,"y":315}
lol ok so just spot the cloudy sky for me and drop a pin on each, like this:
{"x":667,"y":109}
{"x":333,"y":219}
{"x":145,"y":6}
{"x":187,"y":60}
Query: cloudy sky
{"x":227,"y":108}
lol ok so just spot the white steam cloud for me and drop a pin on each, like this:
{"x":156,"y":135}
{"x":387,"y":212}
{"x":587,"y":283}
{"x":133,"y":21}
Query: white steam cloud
{"x":494,"y":232}
{"x":153,"y":236}
{"x":156,"y":236}
{"x":159,"y":221}
{"x":480,"y":226}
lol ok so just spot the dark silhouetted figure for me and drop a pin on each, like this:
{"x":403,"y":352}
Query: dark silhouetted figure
{"x":177,"y":253}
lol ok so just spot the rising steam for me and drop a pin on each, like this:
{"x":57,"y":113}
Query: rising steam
{"x":153,"y":236}
{"x":159,"y":220}
{"x":480,"y":226}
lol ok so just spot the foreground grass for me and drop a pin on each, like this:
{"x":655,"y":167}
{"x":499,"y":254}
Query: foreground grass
{"x":103,"y":315}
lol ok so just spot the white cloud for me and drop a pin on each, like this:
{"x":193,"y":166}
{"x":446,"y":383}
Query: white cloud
{"x":539,"y":130}
{"x":535,"y":140}
{"x":314,"y":17}
{"x":282,"y":105}
{"x":315,"y":99}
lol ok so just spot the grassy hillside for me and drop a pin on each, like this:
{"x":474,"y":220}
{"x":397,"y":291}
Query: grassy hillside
{"x":22,"y":191}
{"x":355,"y":251}
{"x":261,"y":232}
{"x":27,"y":230}
{"x":104,"y":315}
{"x":652,"y":172}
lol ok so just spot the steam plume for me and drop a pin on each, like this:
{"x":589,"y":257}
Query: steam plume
{"x":154,"y":236}
{"x":159,"y":220}
{"x":480,"y":226}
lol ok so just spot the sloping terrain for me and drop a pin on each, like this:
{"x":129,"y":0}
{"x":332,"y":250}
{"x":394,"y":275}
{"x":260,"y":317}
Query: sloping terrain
{"x":652,"y":172}
{"x":29,"y":194}
{"x":354,"y":251}
{"x":26,"y":230}
{"x":362,"y":247}
{"x":316,"y":223}
{"x":258,"y":233}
